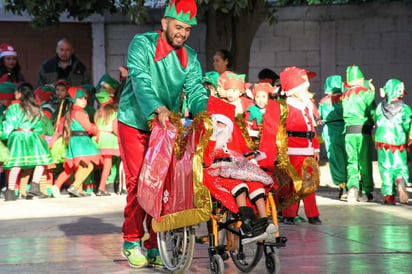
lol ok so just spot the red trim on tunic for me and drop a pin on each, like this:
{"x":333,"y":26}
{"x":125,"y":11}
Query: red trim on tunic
{"x":163,"y":48}
{"x":75,"y":162}
{"x":109,"y":151}
{"x":392,"y":148}
{"x":353,"y":91}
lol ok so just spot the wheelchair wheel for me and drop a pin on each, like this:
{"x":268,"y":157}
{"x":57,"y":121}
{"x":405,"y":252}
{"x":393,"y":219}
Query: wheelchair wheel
{"x":272,"y":263}
{"x":176,"y":248}
{"x":216,"y":264}
{"x":245,"y":257}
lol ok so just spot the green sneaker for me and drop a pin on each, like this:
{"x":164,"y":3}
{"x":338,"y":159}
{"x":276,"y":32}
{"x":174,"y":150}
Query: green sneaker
{"x":153,"y":257}
{"x":134,"y":256}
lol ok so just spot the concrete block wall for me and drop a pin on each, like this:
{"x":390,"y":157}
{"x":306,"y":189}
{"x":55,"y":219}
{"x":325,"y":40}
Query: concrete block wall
{"x":325,"y":39}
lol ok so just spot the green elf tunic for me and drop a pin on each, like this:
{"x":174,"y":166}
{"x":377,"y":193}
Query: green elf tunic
{"x":27,"y":150}
{"x":331,"y":113}
{"x":161,"y":85}
{"x":393,"y":125}
{"x":358,"y":107}
{"x":108,"y":143}
{"x":80,"y":147}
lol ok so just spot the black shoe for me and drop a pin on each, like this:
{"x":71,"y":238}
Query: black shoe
{"x":35,"y":190}
{"x":10,"y":195}
{"x":343,"y":195}
{"x":221,"y":250}
{"x":315,"y":220}
{"x":102,"y":193}
{"x":289,"y":220}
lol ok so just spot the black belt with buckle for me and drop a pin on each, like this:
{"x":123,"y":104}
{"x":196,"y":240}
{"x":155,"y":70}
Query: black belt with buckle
{"x":364,"y":129}
{"x":302,"y":134}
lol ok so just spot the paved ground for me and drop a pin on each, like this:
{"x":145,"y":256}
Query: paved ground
{"x":83,"y":235}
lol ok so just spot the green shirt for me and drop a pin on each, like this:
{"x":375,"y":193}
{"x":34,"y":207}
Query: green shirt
{"x":151,"y":84}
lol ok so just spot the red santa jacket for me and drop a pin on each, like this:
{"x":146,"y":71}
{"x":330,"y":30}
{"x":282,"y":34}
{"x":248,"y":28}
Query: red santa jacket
{"x":302,"y":138}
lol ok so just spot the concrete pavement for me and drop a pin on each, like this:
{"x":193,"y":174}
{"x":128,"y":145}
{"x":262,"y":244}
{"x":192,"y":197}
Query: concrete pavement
{"x":83,"y":235}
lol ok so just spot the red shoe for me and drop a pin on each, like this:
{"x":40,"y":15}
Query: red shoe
{"x":389,"y":200}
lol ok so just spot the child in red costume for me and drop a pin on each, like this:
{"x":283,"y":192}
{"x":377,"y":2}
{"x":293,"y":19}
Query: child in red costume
{"x":302,"y":138}
{"x":231,"y":184}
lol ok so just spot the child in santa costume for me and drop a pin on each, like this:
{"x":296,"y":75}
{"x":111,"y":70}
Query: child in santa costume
{"x":232,"y":178}
{"x":358,"y":103}
{"x":392,"y":138}
{"x":331,"y":113}
{"x":106,"y":142}
{"x":10,"y":70}
{"x":22,"y":127}
{"x":235,"y":91}
{"x":302,"y":138}
{"x":81,"y":153}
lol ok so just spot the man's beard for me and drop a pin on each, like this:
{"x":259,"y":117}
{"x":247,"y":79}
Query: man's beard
{"x":169,"y":40}
{"x":223,"y":136}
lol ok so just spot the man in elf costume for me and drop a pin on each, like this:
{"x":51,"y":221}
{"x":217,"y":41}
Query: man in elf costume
{"x":302,"y":138}
{"x":392,"y":137}
{"x":330,"y":110}
{"x":161,"y":67}
{"x":358,"y":103}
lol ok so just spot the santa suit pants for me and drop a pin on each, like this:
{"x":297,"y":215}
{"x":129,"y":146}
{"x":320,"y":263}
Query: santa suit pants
{"x":309,"y":202}
{"x":358,"y":150}
{"x":133,"y":144}
{"x":393,"y":166}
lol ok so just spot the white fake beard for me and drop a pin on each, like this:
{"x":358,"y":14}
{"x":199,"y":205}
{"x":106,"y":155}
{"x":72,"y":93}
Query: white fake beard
{"x":223,"y":136}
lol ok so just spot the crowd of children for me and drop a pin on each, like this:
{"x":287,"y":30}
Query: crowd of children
{"x":58,"y":135}
{"x":46,"y":139}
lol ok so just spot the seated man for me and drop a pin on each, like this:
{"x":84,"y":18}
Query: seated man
{"x":231,"y":178}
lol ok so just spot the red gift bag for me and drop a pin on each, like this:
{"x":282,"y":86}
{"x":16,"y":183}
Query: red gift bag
{"x":155,"y":168}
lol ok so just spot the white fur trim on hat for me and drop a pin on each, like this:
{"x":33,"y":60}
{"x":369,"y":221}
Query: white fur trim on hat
{"x":297,"y":88}
{"x":10,"y":51}
{"x":223,"y":119}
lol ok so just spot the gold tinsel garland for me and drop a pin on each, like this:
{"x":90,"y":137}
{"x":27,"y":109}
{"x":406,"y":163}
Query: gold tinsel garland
{"x":240,"y":121}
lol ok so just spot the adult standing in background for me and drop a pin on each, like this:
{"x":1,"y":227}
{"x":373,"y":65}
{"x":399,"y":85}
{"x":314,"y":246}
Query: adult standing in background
{"x":161,"y":67}
{"x":222,"y":61}
{"x":65,"y":65}
{"x":10,"y":70}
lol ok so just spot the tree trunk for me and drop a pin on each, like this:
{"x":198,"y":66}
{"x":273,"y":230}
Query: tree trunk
{"x":235,"y":33}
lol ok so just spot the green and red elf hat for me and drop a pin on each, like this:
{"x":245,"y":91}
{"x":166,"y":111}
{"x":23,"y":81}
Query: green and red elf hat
{"x":7,"y":90}
{"x":44,"y":94}
{"x":211,"y":77}
{"x":353,"y":73}
{"x":76,"y":92}
{"x":333,"y":84}
{"x":235,"y":81}
{"x":107,"y":79}
{"x":293,"y":79}
{"x":393,"y":89}
{"x":104,"y":98}
{"x":263,"y":86}
{"x":183,"y":10}
{"x":62,"y":82}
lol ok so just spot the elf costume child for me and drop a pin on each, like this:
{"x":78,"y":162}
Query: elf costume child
{"x":330,"y":110}
{"x":358,"y":103}
{"x":393,"y":124}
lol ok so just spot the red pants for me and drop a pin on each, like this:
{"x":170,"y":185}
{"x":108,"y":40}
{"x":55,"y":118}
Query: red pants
{"x":309,"y":202}
{"x":133,"y":144}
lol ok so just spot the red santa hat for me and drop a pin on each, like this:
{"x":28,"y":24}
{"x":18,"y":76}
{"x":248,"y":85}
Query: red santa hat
{"x":7,"y":50}
{"x":293,"y":79}
{"x":221,"y":111}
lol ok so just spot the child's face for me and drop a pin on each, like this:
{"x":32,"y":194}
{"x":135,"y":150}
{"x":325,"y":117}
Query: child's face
{"x":107,"y":87}
{"x":81,"y":102}
{"x":17,"y":95}
{"x":233,"y":95}
{"x":61,"y":92}
{"x":261,"y":99}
